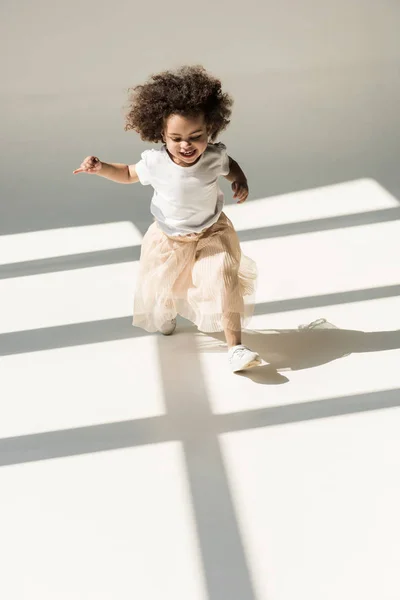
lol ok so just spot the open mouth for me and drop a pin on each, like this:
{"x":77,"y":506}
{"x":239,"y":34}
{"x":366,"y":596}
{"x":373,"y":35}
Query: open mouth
{"x":188,"y":154}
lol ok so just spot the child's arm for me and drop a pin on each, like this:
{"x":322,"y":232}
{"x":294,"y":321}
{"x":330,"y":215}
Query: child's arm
{"x":239,"y":182}
{"x":117,"y":172}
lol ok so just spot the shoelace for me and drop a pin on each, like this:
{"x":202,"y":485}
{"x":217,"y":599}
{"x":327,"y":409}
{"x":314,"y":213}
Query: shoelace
{"x":239,"y":352}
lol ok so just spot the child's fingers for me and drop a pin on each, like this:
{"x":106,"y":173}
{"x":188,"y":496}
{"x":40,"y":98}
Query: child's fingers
{"x":243,"y":196}
{"x":91,"y":164}
{"x":83,"y":168}
{"x":87,"y":168}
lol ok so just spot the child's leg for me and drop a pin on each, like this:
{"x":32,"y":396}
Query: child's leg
{"x":233,"y":331}
{"x":162,"y":262}
{"x":219,"y":289}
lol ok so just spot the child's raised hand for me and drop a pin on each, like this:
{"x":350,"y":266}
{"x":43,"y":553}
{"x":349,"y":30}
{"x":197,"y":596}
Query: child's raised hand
{"x":91,"y":165}
{"x":240,"y":190}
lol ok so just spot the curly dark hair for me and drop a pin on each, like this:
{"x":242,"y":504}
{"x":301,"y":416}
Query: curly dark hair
{"x":188,"y":91}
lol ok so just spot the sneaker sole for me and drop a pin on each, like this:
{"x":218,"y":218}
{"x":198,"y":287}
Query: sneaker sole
{"x":168,"y":332}
{"x":254,"y":362}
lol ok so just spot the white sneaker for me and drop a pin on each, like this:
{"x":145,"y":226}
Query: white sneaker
{"x":168,"y":327}
{"x":241,"y":357}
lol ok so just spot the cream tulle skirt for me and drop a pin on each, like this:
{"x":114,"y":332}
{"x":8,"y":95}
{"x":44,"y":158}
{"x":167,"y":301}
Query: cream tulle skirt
{"x":203,"y":277}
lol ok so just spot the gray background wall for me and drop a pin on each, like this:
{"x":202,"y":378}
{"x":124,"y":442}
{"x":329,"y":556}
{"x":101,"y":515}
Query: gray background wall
{"x":316,"y":87}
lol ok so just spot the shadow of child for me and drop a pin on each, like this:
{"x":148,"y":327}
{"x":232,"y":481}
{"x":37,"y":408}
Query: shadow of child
{"x":308,"y":346}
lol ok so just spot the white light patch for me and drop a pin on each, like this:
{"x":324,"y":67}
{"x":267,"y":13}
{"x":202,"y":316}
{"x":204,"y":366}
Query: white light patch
{"x":343,"y":376}
{"x":66,"y":297}
{"x":317,"y":503}
{"x":382,"y":314}
{"x":326,"y":262}
{"x":315,"y":378}
{"x":80,"y":386}
{"x":51,"y":243}
{"x":108,"y":525}
{"x":363,"y":195}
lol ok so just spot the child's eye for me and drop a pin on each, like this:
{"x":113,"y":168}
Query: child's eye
{"x":193,"y":139}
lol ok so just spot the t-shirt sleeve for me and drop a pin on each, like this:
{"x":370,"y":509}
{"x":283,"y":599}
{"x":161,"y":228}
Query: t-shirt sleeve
{"x":144,"y":167}
{"x":224,"y":159}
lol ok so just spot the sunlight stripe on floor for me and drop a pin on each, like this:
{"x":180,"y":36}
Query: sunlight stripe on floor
{"x":331,"y":365}
{"x":94,"y":384}
{"x":67,"y":297}
{"x":326,"y":262}
{"x":362,"y":195}
{"x":51,"y":243}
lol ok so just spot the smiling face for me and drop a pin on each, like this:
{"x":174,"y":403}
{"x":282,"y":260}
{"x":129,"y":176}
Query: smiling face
{"x":186,"y":138}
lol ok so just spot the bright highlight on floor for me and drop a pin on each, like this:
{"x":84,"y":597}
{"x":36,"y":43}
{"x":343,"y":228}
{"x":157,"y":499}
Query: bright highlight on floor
{"x":224,"y":486}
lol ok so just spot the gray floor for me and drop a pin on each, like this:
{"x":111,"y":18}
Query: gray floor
{"x":138,"y":465}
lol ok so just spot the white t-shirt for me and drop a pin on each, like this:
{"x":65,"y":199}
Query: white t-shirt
{"x":186,"y":199}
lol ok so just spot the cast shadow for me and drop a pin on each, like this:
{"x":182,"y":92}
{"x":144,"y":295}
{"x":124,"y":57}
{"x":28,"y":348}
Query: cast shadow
{"x":304,"y":348}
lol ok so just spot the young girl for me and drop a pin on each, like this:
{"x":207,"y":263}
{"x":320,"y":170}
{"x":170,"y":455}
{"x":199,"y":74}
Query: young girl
{"x":191,"y":262}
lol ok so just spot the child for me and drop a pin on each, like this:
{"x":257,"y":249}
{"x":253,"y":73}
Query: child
{"x":191,"y":262}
